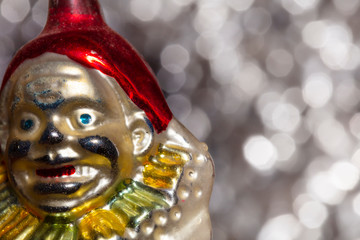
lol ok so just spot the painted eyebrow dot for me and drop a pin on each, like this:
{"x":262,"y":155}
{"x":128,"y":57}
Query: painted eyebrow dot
{"x":85,"y":118}
{"x":26,"y":124}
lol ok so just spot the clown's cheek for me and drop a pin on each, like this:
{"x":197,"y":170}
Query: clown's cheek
{"x":102,"y":146}
{"x":18,"y":149}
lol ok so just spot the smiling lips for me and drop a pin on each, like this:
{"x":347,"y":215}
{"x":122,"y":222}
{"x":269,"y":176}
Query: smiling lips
{"x":56,"y":172}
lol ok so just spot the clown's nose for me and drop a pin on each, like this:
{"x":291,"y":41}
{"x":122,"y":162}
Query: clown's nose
{"x":51,"y":135}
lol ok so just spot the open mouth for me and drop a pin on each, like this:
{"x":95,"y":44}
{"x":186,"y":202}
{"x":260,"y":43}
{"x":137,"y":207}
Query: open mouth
{"x":67,"y":170}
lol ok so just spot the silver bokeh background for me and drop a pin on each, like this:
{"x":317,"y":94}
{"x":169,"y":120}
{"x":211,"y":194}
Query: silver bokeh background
{"x":270,"y":85}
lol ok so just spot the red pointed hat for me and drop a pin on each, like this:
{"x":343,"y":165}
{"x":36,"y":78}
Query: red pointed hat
{"x":75,"y":28}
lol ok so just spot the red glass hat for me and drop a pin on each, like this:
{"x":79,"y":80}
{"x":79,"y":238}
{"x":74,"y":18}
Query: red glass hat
{"x":75,"y":28}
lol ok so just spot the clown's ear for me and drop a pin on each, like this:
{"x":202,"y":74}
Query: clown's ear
{"x":142,"y":136}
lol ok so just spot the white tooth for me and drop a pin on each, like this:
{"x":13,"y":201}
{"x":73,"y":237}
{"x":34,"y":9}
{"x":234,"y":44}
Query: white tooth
{"x":93,"y":171}
{"x":86,"y":171}
{"x":77,"y":171}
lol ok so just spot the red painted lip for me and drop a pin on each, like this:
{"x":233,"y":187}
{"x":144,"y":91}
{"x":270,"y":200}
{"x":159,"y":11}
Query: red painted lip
{"x":56,"y":172}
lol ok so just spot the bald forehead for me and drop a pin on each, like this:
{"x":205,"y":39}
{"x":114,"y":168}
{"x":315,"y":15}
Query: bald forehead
{"x":49,"y":84}
{"x":52,"y":79}
{"x":55,"y":81}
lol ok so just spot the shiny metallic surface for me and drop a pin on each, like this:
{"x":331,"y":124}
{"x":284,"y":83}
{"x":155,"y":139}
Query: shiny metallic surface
{"x":190,"y":213}
{"x":62,"y":166}
{"x":270,"y":85}
{"x":54,"y":90}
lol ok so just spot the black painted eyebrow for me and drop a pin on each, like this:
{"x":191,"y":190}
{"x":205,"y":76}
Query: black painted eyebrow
{"x":45,"y":106}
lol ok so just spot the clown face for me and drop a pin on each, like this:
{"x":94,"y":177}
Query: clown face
{"x":68,"y":142}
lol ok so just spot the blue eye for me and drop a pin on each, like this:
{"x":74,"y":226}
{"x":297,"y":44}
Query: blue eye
{"x":85,"y":118}
{"x":27,"y":124}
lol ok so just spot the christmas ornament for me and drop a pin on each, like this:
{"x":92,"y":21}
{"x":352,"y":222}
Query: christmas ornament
{"x":90,"y":148}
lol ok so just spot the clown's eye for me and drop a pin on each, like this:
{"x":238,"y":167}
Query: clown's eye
{"x":26,"y":124}
{"x":85,"y":118}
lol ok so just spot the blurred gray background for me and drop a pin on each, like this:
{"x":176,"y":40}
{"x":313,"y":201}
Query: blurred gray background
{"x":270,"y":85}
